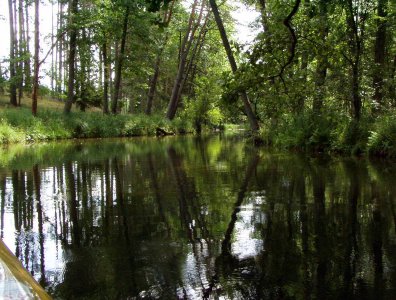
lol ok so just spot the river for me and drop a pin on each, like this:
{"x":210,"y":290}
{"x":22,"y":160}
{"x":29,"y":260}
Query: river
{"x":193,"y":218}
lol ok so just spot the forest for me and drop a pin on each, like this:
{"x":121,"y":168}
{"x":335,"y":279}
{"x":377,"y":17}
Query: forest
{"x":318,"y":76}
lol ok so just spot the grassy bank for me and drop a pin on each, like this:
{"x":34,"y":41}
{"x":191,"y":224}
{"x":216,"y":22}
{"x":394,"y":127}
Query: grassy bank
{"x":18,"y":124}
{"x":333,"y":134}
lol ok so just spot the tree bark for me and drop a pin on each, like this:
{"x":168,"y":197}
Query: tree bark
{"x":106,"y":76}
{"x":21,"y":51}
{"x":184,"y":50}
{"x":355,"y":44}
{"x":117,"y":79}
{"x":254,"y":125}
{"x":153,"y":82}
{"x":59,"y":81}
{"x":321,"y":68}
{"x":27,"y":67}
{"x":72,"y":55}
{"x":36,"y":57}
{"x":13,"y":88}
{"x":379,"y":53}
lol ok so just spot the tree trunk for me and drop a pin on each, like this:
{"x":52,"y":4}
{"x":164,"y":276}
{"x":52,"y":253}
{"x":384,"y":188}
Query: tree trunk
{"x":184,"y":50}
{"x":355,"y":44}
{"x":379,"y":54}
{"x":72,"y":55}
{"x":59,"y":80}
{"x":13,"y":88}
{"x":21,"y":51}
{"x":27,"y":67}
{"x":36,"y":58}
{"x":106,"y":76}
{"x":52,"y":53}
{"x":321,"y":68}
{"x":117,"y":79}
{"x":153,"y":83}
{"x":154,"y":79}
{"x":246,"y":103}
{"x":356,"y":99}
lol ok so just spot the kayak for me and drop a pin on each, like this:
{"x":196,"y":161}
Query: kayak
{"x":15,"y":281}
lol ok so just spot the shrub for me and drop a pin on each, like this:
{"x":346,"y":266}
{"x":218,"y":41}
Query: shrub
{"x":382,"y":137}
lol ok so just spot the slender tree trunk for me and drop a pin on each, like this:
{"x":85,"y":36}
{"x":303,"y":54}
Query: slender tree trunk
{"x":198,"y":43}
{"x":100,"y":67}
{"x":117,"y":79}
{"x":27,"y":69}
{"x":72,"y":55}
{"x":21,"y":51}
{"x":321,"y":68}
{"x":246,"y":103}
{"x":356,"y":99}
{"x":106,"y":76}
{"x":392,"y":86}
{"x":60,"y":54}
{"x":13,"y":88}
{"x":379,"y":53}
{"x":355,"y":45}
{"x":154,"y":78}
{"x":52,"y":52}
{"x":192,"y":65}
{"x":36,"y":58}
{"x":184,"y":50}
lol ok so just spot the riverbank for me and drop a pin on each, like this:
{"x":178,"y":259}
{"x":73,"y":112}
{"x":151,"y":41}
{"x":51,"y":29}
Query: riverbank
{"x":17,"y":125}
{"x":333,"y":133}
{"x":307,"y":132}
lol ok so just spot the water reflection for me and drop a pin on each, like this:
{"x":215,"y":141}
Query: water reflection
{"x":198,"y":218}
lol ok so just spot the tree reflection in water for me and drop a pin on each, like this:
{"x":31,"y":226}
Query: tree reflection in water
{"x":199,"y":218}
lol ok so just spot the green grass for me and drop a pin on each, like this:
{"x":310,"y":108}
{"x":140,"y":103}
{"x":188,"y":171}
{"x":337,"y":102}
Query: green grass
{"x":18,"y":125}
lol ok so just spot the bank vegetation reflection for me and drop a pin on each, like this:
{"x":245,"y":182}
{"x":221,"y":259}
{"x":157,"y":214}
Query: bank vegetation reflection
{"x":203,"y":218}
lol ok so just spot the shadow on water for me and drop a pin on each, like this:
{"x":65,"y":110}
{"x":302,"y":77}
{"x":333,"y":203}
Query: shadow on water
{"x":193,"y":218}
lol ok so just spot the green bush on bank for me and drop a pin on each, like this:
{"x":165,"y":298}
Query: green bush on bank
{"x":18,"y":125}
{"x":382,"y":137}
{"x":332,"y":133}
{"x":308,"y":132}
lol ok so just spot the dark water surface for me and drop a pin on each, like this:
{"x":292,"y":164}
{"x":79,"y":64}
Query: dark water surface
{"x":196,"y":218}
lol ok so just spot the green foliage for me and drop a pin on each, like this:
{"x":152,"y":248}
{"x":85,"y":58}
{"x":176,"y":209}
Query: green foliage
{"x":382,"y":139}
{"x":8,"y":134}
{"x":328,"y":133}
{"x":351,"y":136}
{"x":305,"y":131}
{"x":18,"y":125}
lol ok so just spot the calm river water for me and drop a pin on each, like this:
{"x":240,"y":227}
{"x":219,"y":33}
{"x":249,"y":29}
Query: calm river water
{"x":190,"y":218}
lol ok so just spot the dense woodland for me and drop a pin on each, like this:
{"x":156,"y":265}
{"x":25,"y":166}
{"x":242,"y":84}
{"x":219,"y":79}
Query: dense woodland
{"x":320,"y":74}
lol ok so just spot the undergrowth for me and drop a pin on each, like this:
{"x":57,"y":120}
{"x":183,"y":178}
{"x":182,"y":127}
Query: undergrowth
{"x":18,"y":125}
{"x":333,"y":133}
